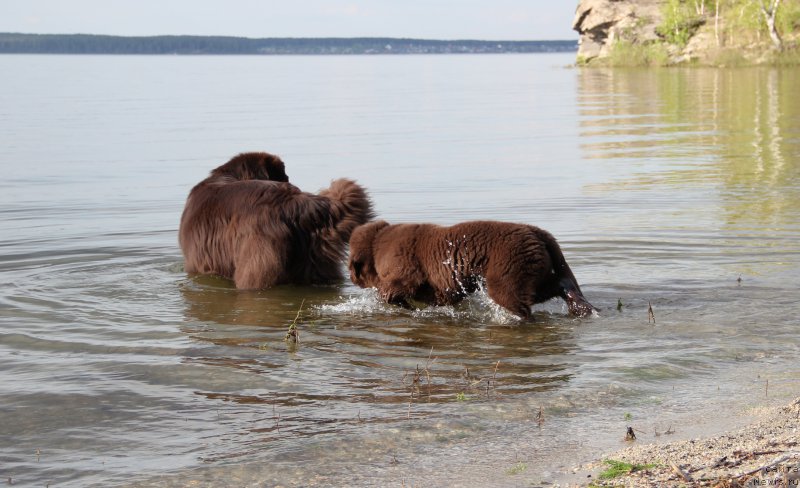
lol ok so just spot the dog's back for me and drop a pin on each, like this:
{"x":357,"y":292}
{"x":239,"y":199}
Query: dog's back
{"x":521,"y":264}
{"x":219,"y":216}
{"x":263,"y":233}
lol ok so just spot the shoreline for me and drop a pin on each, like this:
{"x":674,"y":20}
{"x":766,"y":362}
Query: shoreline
{"x":764,"y":452}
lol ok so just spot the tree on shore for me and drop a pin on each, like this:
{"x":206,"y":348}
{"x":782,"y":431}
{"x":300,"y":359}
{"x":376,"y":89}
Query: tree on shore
{"x":770,"y":12}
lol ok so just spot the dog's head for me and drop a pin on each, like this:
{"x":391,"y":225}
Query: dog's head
{"x":362,"y":257}
{"x":253,"y":166}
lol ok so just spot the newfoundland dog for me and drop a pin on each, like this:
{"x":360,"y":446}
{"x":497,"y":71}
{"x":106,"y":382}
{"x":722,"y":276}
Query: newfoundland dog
{"x":246,"y":222}
{"x":521,"y":264}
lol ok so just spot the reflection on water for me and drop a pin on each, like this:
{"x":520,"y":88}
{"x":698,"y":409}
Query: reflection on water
{"x":719,"y":146}
{"x":664,"y":188}
{"x":739,"y":125}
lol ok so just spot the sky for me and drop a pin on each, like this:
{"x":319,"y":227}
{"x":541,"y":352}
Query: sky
{"x":424,"y":19}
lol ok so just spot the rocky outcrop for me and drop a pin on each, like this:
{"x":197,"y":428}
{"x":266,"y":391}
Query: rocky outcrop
{"x":601,"y":22}
{"x":664,"y":32}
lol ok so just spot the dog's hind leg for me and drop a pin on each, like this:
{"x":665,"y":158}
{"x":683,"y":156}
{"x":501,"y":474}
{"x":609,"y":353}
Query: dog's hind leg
{"x":507,"y":297}
{"x":576,"y":302}
{"x":394,"y":297}
{"x":257,"y":266}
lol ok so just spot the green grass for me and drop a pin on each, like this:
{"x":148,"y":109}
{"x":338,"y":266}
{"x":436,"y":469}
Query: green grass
{"x":733,"y":58}
{"x":624,"y":54}
{"x":517,"y":469}
{"x":620,"y":468}
{"x":729,"y":58}
{"x":787,"y":57}
{"x":630,"y":54}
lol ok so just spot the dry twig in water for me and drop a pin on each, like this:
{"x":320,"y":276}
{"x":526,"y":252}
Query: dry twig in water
{"x":683,"y":474}
{"x":775,"y":462}
{"x":293,"y":335}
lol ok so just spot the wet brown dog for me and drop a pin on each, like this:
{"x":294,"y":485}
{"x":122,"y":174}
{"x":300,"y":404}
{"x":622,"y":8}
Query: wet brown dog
{"x":521,"y":264}
{"x":246,"y":222}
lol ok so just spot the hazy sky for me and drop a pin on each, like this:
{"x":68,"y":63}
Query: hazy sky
{"x":430,"y":19}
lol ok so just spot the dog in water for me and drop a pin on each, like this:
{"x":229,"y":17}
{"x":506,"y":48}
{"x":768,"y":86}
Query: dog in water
{"x":521,"y":264}
{"x":246,"y":222}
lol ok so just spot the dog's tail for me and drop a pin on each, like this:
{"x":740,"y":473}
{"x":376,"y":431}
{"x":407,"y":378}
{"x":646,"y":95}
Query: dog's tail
{"x":570,"y":291}
{"x":350,"y":207}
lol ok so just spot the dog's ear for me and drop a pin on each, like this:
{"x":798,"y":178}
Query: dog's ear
{"x":362,"y":258}
{"x":358,"y":269}
{"x":362,"y":271}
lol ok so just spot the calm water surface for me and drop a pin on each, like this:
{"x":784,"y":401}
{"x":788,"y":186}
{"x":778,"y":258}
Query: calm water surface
{"x":676,"y":188}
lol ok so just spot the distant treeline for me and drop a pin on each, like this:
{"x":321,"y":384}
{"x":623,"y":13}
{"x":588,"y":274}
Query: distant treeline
{"x":96,"y":44}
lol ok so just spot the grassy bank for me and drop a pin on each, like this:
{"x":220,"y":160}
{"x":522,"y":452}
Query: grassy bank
{"x":656,"y":54}
{"x":726,"y":33}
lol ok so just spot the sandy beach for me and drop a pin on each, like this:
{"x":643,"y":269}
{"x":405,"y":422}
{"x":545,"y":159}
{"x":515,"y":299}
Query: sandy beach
{"x":763,"y":453}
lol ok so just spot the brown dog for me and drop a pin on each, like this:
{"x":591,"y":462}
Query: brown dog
{"x":245,"y":222}
{"x":521,"y":264}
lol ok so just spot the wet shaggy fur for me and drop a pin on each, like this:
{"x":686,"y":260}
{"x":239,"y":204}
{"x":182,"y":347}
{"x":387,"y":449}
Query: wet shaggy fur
{"x":246,"y":222}
{"x":521,"y":264}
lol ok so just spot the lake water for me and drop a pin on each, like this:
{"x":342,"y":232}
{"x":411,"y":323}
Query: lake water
{"x":675,"y":188}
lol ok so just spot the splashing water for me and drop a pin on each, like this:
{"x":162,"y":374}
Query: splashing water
{"x":477,"y":307}
{"x":366,"y":302}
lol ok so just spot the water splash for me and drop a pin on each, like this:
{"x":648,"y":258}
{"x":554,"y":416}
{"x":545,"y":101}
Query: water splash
{"x":366,"y":302}
{"x":477,"y":307}
{"x":483,"y":308}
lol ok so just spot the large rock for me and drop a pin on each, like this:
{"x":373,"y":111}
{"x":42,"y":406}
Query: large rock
{"x":601,"y":22}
